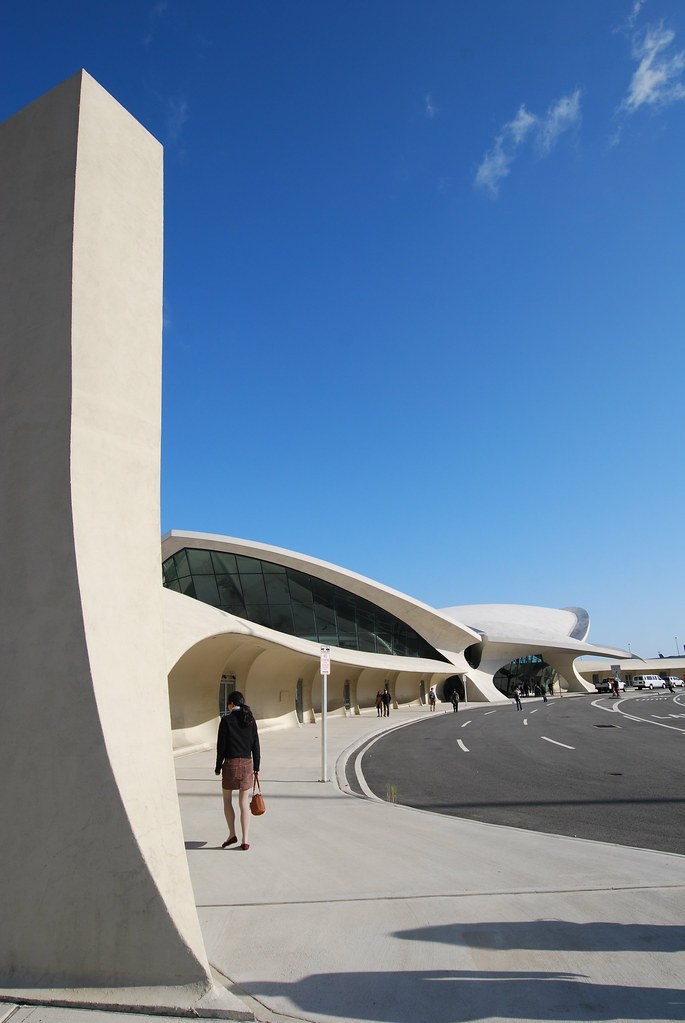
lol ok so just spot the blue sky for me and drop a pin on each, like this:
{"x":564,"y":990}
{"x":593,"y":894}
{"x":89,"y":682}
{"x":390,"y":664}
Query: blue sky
{"x":424,"y":297}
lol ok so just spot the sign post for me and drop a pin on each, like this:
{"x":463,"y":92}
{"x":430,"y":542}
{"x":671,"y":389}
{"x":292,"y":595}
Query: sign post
{"x":325,"y":672}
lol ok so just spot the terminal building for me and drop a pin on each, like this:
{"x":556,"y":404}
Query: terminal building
{"x":247,"y":616}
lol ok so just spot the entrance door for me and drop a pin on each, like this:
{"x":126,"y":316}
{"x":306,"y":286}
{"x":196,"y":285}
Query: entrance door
{"x":226,"y":686}
{"x":450,"y":685}
{"x":346,"y":696}
{"x":299,"y":702}
{"x":422,"y":691}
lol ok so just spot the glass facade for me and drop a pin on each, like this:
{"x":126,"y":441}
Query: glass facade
{"x":292,"y":602}
{"x":529,"y":673}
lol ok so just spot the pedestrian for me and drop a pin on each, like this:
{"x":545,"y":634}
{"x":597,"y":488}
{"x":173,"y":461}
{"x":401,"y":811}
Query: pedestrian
{"x":455,"y":700}
{"x":386,"y":697}
{"x":517,"y":697}
{"x":237,"y":761}
{"x":543,"y":690}
{"x":379,"y":704}
{"x":432,"y":698}
{"x":614,"y":687}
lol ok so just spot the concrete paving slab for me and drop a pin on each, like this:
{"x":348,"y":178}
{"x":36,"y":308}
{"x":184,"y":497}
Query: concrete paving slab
{"x":348,"y":909}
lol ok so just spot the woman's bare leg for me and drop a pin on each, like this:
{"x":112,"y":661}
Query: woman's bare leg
{"x":244,"y":797}
{"x":229,"y":812}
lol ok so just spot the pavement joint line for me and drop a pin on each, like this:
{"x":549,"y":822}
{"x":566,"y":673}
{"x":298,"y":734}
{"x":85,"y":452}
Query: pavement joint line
{"x":266,"y":1015}
{"x":485,"y":893}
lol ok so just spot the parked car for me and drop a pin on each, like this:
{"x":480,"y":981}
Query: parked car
{"x":674,"y":681}
{"x":649,"y":682}
{"x":605,"y":685}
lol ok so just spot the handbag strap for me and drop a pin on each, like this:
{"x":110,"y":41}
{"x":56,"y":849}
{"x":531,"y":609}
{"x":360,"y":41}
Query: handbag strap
{"x":256,"y":787}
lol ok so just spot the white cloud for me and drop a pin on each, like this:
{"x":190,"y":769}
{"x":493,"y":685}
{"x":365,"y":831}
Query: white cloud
{"x":176,"y":117}
{"x":155,"y":14}
{"x":561,"y":115}
{"x":495,"y":165}
{"x":636,"y":8}
{"x":520,"y":126}
{"x":431,"y":109}
{"x":658,"y":78}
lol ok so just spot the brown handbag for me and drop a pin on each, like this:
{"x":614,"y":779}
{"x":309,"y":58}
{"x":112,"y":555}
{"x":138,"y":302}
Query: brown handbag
{"x":257,"y":805}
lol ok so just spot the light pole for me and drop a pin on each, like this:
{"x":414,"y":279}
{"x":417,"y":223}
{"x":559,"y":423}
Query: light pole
{"x":325,"y":669}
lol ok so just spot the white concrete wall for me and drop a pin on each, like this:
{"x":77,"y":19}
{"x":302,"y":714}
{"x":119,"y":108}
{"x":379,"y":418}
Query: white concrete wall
{"x":94,"y":884}
{"x":204,"y":643}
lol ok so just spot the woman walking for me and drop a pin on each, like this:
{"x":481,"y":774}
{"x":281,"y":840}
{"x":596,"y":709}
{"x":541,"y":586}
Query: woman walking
{"x":237,"y":761}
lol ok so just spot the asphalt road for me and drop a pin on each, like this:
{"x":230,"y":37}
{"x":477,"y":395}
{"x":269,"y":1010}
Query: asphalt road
{"x":587,"y":766}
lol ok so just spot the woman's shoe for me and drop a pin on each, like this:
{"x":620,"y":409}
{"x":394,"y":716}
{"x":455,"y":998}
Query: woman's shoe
{"x":229,"y":841}
{"x":244,"y":845}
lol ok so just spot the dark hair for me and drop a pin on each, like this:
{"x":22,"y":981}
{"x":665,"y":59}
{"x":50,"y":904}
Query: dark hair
{"x":238,"y":701}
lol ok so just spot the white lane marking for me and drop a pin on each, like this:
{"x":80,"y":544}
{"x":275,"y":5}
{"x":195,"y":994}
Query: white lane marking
{"x":466,"y":723}
{"x":489,"y":712}
{"x":634,"y":717}
{"x":557,"y":743}
{"x":535,"y":711}
{"x":462,"y":746}
{"x":525,"y":721}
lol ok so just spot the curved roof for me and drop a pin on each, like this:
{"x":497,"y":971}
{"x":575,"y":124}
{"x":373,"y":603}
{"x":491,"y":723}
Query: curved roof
{"x":565,"y":628}
{"x":447,"y":635}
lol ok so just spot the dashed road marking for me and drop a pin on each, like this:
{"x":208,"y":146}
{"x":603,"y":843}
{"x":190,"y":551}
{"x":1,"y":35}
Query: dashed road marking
{"x":525,"y":721}
{"x":489,"y":712}
{"x":557,"y":743}
{"x":466,"y":723}
{"x":462,"y":746}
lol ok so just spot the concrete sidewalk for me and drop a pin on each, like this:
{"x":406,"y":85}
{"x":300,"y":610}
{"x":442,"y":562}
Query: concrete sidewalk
{"x":350,"y":909}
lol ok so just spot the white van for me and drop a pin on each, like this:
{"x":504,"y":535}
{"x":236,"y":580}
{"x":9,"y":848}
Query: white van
{"x":648,"y":682}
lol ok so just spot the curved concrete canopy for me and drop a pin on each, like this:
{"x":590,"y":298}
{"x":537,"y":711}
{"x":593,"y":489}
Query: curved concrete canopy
{"x":205,"y":643}
{"x":442,"y":631}
{"x":525,"y":625}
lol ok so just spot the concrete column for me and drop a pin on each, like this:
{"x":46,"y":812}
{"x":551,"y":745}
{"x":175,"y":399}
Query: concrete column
{"x":94,"y":884}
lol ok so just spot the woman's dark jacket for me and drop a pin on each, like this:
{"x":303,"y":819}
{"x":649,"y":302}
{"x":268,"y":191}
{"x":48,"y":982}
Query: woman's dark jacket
{"x":235,"y":741}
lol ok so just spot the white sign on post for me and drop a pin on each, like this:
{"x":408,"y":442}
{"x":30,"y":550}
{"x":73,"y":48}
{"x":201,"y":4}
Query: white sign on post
{"x":325,"y":672}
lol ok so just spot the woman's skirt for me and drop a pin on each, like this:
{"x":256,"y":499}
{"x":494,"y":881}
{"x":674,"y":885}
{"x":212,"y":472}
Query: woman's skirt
{"x":237,"y":773}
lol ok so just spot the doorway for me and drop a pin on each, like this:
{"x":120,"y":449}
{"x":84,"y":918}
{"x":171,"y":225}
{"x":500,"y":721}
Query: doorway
{"x":226,"y":686}
{"x":299,"y":701}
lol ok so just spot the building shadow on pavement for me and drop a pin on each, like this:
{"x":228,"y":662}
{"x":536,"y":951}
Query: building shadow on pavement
{"x":555,"y":935}
{"x":458,"y":996}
